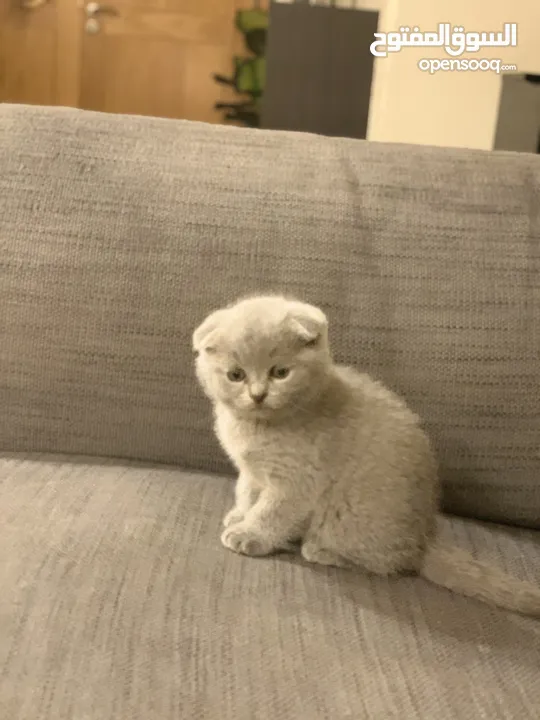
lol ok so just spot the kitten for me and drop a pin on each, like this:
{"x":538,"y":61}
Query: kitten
{"x":327,"y":457}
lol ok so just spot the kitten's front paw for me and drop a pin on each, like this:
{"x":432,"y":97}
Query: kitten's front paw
{"x":233,"y":517}
{"x":246,"y":542}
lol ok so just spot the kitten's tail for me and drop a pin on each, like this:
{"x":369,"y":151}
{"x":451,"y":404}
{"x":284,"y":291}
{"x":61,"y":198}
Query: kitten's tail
{"x":458,"y":571}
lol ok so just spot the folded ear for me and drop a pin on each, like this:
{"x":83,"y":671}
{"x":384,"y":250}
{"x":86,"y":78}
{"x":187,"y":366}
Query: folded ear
{"x":308,"y":322}
{"x":206,"y":333}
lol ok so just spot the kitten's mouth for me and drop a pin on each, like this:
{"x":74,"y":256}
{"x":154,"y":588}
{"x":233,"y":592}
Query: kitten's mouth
{"x":259,"y":409}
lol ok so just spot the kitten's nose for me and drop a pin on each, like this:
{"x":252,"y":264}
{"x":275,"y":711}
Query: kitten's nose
{"x":259,"y":397}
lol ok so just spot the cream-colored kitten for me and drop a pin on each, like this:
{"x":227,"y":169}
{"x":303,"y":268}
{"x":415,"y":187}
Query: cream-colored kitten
{"x":327,"y":456}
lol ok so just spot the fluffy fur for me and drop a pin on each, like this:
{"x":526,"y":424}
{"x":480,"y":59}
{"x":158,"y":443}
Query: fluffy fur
{"x":327,"y":457}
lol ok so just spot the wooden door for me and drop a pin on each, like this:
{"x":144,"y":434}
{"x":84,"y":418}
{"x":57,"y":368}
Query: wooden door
{"x":27,"y":52}
{"x":147,"y":57}
{"x":156,"y":57}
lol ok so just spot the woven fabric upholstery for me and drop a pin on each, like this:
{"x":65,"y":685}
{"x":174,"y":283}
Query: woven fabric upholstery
{"x":118,"y":235}
{"x":119,"y":602}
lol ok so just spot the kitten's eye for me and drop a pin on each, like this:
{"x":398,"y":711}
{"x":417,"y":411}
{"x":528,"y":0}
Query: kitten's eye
{"x":236,"y":375}
{"x":280,"y":373}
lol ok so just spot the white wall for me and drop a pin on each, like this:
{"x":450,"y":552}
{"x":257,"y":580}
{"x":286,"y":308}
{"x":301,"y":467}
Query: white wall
{"x":449,"y":108}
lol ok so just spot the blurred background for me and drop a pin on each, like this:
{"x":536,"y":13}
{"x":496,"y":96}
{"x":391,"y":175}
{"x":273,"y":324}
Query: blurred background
{"x":289,"y":65}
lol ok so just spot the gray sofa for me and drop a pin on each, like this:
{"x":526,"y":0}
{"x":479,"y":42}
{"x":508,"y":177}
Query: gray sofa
{"x":117,"y":236}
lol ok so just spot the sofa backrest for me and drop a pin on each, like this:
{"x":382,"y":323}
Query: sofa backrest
{"x":119,"y":234}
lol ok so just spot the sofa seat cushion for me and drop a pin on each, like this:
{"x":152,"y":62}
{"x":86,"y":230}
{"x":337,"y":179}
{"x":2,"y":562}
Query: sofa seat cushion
{"x":119,"y":602}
